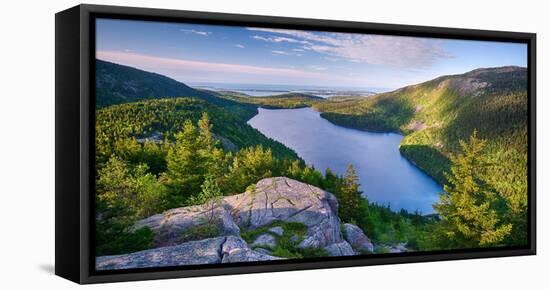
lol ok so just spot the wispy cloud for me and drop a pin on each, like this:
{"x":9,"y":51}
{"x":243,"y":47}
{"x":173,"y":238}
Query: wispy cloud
{"x":281,"y":52}
{"x":333,"y":59}
{"x":175,"y":67}
{"x":396,"y":51}
{"x":198,"y":32}
{"x":317,"y":67}
{"x":279,"y":39}
{"x":239,"y":46}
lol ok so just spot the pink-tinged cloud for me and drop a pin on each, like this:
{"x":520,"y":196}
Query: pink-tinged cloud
{"x":180,"y":68}
{"x":393,"y":51}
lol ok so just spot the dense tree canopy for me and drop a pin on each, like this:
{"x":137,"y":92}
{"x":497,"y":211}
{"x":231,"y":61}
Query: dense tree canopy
{"x":157,"y":154}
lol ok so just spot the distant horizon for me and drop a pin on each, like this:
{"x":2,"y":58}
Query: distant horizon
{"x":324,"y":86}
{"x":205,"y":83}
{"x":288,"y":86}
{"x":310,"y":86}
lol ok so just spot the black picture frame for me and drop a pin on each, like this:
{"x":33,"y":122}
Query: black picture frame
{"x":74,"y":118}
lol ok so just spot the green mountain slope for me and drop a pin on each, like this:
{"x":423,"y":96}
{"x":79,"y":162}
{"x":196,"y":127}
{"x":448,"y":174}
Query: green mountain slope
{"x":287,"y":100}
{"x":116,"y":84}
{"x":121,"y":126}
{"x":134,"y":106}
{"x":435,"y":115}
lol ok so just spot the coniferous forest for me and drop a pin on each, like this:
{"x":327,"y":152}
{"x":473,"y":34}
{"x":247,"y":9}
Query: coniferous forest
{"x":162,"y":145}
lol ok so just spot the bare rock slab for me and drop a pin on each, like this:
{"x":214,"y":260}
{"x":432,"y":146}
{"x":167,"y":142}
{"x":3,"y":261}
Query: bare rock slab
{"x":169,"y":226}
{"x":207,"y":251}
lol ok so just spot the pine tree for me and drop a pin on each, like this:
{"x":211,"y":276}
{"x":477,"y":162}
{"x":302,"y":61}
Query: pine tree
{"x":124,"y":194}
{"x":249,"y":166}
{"x":349,"y":197}
{"x":205,"y":132}
{"x":185,"y":165}
{"x":210,"y":196}
{"x":332,"y":182}
{"x":467,"y":206}
{"x":214,"y":158}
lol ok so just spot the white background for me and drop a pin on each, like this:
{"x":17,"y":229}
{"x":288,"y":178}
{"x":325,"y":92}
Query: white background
{"x":27,"y":144}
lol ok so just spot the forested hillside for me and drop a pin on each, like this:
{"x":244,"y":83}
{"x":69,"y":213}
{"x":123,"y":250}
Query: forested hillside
{"x":116,"y":84}
{"x":120,"y":84}
{"x":287,"y":100}
{"x":120,"y":129}
{"x":436,"y":115}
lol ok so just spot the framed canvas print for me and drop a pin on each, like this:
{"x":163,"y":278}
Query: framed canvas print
{"x":193,"y":144}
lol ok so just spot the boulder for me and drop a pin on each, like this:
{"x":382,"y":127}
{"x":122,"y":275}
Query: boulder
{"x":340,"y":249}
{"x":273,"y":199}
{"x":357,"y":239}
{"x":170,"y":226}
{"x":207,"y":251}
{"x":265,"y":240}
{"x":288,"y":200}
{"x":232,"y":245}
{"x":277,"y":230}
{"x":236,"y":250}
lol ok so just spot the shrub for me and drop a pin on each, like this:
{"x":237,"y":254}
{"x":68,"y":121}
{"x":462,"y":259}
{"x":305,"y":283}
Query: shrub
{"x":120,"y":240}
{"x":204,"y":231}
{"x":287,"y":244}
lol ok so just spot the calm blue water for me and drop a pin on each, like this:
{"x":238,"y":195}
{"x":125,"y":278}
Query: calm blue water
{"x":385,"y":176}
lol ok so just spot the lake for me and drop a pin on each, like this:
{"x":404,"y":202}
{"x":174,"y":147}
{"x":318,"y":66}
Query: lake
{"x":386,"y":177}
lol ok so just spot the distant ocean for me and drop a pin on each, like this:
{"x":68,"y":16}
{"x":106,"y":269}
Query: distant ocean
{"x":270,"y":89}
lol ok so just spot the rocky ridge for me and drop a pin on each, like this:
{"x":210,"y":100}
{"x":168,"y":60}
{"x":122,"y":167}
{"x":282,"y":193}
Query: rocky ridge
{"x":264,"y":207}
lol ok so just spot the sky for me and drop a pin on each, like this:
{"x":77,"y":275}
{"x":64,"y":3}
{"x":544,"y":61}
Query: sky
{"x":193,"y":53}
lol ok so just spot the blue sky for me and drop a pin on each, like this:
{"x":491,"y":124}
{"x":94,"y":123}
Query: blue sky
{"x":224,"y":54}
